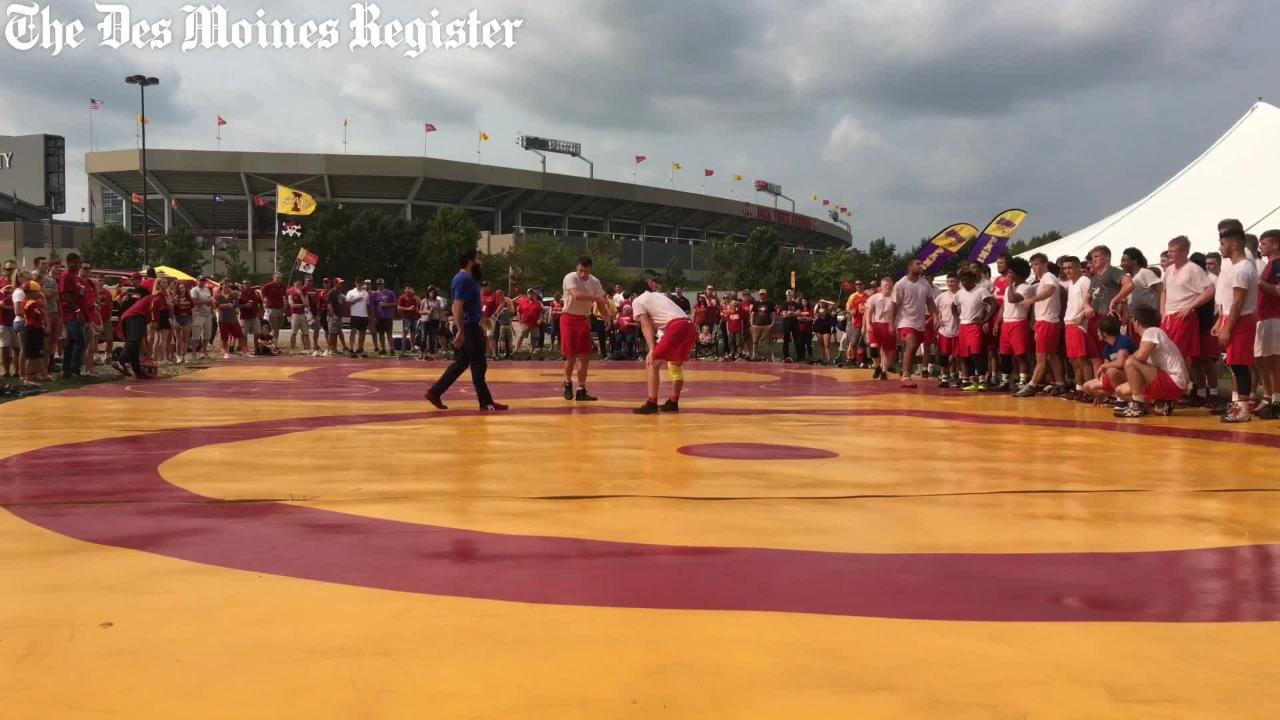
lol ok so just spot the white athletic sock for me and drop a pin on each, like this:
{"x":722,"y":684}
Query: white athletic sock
{"x":1235,"y":397}
{"x":1140,"y":398}
{"x":1275,"y":397}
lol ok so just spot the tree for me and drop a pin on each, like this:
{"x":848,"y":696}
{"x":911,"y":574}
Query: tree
{"x":234,"y":266}
{"x":541,"y":261}
{"x":883,"y":260}
{"x":673,"y":276}
{"x":113,"y":247}
{"x":451,"y":233}
{"x":1020,"y":246}
{"x":823,"y":279}
{"x":180,"y":250}
{"x":758,"y":262}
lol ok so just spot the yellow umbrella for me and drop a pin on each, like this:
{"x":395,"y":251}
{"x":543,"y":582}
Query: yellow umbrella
{"x":172,"y":272}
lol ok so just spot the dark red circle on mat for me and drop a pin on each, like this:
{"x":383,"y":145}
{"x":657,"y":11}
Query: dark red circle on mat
{"x":755,"y":451}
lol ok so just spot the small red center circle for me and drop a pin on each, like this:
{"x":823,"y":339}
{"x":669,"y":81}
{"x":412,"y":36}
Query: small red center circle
{"x":755,"y":451}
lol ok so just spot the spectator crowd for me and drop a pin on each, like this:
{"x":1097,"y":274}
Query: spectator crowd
{"x":1146,"y":337}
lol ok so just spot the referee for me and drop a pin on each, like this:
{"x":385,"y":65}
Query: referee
{"x":469,"y":340}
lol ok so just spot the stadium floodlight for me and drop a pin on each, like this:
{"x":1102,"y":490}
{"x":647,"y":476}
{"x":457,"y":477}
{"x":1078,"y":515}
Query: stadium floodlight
{"x":541,"y":145}
{"x":143,"y":82}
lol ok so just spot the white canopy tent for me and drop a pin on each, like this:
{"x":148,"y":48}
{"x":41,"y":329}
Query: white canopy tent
{"x":1238,"y":176}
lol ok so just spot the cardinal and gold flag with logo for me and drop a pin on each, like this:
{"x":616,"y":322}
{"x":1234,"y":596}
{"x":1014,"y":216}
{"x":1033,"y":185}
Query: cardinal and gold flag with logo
{"x":293,"y":202}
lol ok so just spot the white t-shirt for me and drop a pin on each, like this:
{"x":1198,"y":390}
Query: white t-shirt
{"x":429,"y":308}
{"x":948,"y":325}
{"x":1017,"y":312}
{"x":1243,"y":274}
{"x":1049,"y":309}
{"x":358,"y":301}
{"x":912,"y":299}
{"x":198,"y":294}
{"x":585,"y":289}
{"x":618,"y":299}
{"x":1078,"y":298}
{"x":1166,"y":357}
{"x":971,"y":302}
{"x":19,"y":297}
{"x":1182,"y":286}
{"x":880,"y":306}
{"x":1146,"y":290}
{"x":659,"y":307}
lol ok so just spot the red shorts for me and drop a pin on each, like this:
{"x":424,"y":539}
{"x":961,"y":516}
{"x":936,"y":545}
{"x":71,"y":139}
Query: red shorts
{"x":1015,"y":338}
{"x":230,"y":330}
{"x":676,"y":342}
{"x":575,"y":335}
{"x":1079,"y":345}
{"x":1240,"y":351}
{"x":1048,"y":337}
{"x":930,"y":332}
{"x":971,"y":341}
{"x":1185,"y":333}
{"x":1210,"y":347}
{"x":910,"y":332}
{"x":1164,"y":388}
{"x":1106,"y":384}
{"x":882,"y":336}
{"x":948,"y":345}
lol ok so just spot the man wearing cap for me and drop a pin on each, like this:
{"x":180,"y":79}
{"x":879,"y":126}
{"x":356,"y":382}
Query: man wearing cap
{"x":762,"y":312}
{"x":336,"y":301}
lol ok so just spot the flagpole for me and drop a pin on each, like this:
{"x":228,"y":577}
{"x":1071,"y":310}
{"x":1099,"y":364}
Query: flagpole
{"x":90,"y":128}
{"x":478,"y":161}
{"x":424,"y":141}
{"x":275,"y":243}
{"x":344,"y":137}
{"x":219,"y":135}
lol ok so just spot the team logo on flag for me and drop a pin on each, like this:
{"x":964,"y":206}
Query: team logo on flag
{"x":289,"y":228}
{"x":307,"y":261}
{"x":293,"y":202}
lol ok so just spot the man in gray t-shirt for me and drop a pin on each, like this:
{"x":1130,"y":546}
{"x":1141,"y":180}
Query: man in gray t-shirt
{"x":1107,"y":280}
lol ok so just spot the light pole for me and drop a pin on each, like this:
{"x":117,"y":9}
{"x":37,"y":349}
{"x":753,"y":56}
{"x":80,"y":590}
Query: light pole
{"x":142,"y":81}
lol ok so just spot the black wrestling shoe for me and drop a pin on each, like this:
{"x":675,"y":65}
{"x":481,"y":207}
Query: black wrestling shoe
{"x":670,"y":406}
{"x":583,"y":396}
{"x":647,"y":408}
{"x":568,"y":391}
{"x":494,"y":407}
{"x":434,"y":399}
{"x":878,"y":372}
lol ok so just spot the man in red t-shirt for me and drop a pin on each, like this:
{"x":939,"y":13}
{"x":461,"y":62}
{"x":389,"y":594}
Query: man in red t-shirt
{"x":1266,"y":339}
{"x":135,"y":321}
{"x":71,"y":308}
{"x":407,"y":304}
{"x":490,"y":302}
{"x":530,"y":311}
{"x":273,"y":300}
{"x":296,"y":306}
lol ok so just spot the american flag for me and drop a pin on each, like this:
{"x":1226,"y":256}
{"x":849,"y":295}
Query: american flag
{"x":95,"y":104}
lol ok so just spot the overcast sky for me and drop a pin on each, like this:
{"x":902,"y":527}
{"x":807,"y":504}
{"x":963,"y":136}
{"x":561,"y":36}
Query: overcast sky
{"x":915,"y":114}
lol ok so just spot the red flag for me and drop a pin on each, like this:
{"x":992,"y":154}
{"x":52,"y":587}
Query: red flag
{"x":640,"y":159}
{"x":430,"y":127}
{"x":708,"y":172}
{"x":173,"y":203}
{"x":846,"y":285}
{"x":221,"y":122}
{"x":826,"y":202}
{"x":137,"y":198}
{"x":259,"y":201}
{"x":844,"y":209}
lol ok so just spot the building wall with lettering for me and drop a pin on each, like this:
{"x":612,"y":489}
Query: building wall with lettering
{"x":34,"y":166}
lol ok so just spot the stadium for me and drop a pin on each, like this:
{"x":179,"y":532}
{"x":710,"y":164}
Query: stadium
{"x":214,"y":193}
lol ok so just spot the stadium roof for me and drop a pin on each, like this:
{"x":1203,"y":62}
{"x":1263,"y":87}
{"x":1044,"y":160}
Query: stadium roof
{"x":1234,"y":178}
{"x":501,"y":199}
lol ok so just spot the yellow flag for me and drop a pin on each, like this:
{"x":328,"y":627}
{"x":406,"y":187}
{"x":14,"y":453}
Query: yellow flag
{"x":293,"y":202}
{"x":142,"y":119}
{"x":814,"y":197}
{"x":677,"y":166}
{"x":737,"y":177}
{"x":484,"y":135}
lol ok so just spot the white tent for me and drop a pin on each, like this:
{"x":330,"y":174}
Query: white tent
{"x":1238,"y":177}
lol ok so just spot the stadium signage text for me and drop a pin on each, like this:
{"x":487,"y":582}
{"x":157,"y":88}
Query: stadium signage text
{"x":564,"y":147}
{"x":6,"y":160}
{"x":31,"y":26}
